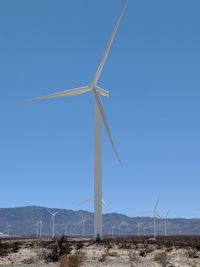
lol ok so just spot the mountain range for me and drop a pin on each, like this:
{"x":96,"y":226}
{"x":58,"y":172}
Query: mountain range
{"x":23,"y":222}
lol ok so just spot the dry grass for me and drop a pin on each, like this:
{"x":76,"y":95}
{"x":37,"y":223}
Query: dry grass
{"x":161,"y":258}
{"x":192,"y":253}
{"x":112,"y":254}
{"x":74,"y":260}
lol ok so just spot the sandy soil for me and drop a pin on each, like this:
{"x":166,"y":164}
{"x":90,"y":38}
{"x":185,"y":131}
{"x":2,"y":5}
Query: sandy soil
{"x":110,"y":254}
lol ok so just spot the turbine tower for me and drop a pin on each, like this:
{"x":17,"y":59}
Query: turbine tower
{"x":8,"y":229}
{"x":138,"y":229}
{"x":66,"y":229}
{"x":120,"y":227}
{"x":53,"y":221}
{"x":155,"y":214}
{"x":83,"y":226}
{"x":165,"y":221}
{"x":100,"y":115}
{"x":113,"y":229}
{"x":40,"y":223}
{"x":37,"y":229}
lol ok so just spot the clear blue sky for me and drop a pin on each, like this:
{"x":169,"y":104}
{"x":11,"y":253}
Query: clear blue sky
{"x":152,"y":73}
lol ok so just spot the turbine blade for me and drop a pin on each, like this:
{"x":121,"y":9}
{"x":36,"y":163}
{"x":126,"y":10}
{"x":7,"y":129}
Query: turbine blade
{"x":158,"y":215}
{"x":156,"y":203}
{"x":85,"y":201}
{"x":57,"y":212}
{"x":166,"y":214}
{"x":103,"y":115}
{"x":72,"y":92}
{"x":105,"y":55}
{"x":103,"y":202}
{"x":89,"y":199}
{"x":49,"y":211}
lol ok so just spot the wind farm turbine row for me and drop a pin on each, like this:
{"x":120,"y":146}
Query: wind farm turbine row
{"x":152,"y":225}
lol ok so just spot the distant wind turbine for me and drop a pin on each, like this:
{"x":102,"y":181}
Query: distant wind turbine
{"x":113,"y":228}
{"x":155,"y":215}
{"x":40,"y":224}
{"x":138,"y":228}
{"x":100,"y":116}
{"x":53,"y":221}
{"x":83,"y":226}
{"x":66,"y":229}
{"x":8,"y":226}
{"x":37,"y":228}
{"x":120,"y":226}
{"x":165,"y":222}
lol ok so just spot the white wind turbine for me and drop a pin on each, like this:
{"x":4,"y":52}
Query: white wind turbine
{"x":138,"y":228}
{"x":113,"y":228}
{"x":83,"y":226}
{"x":40,"y":224}
{"x":99,"y":116}
{"x":8,"y":226}
{"x":53,"y":221}
{"x":37,"y":228}
{"x":165,"y":222}
{"x":120,"y":226}
{"x":155,"y":215}
{"x":66,"y":229}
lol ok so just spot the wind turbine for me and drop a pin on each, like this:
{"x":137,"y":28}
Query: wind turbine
{"x":165,"y":222}
{"x":83,"y":226}
{"x":37,"y":228}
{"x":8,"y":229}
{"x":113,"y":228}
{"x":155,"y":215}
{"x":66,"y":229}
{"x":100,"y":115}
{"x":40,"y":224}
{"x":143,"y":229}
{"x":138,"y":229}
{"x":53,"y":221}
{"x":120,"y":226}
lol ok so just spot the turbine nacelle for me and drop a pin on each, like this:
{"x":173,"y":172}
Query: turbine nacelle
{"x":100,"y":91}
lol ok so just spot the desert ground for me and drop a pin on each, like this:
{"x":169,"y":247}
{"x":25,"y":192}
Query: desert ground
{"x":127,"y":251}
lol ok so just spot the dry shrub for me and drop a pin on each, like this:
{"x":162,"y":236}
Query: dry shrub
{"x":79,"y":245}
{"x":103,"y":258}
{"x":74,"y":260}
{"x":161,"y":258}
{"x":30,"y":260}
{"x":192,"y":253}
{"x":142,"y":253}
{"x":56,"y":249}
{"x":112,"y":254}
{"x":157,"y":256}
{"x":133,"y":258}
{"x":7,"y":248}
